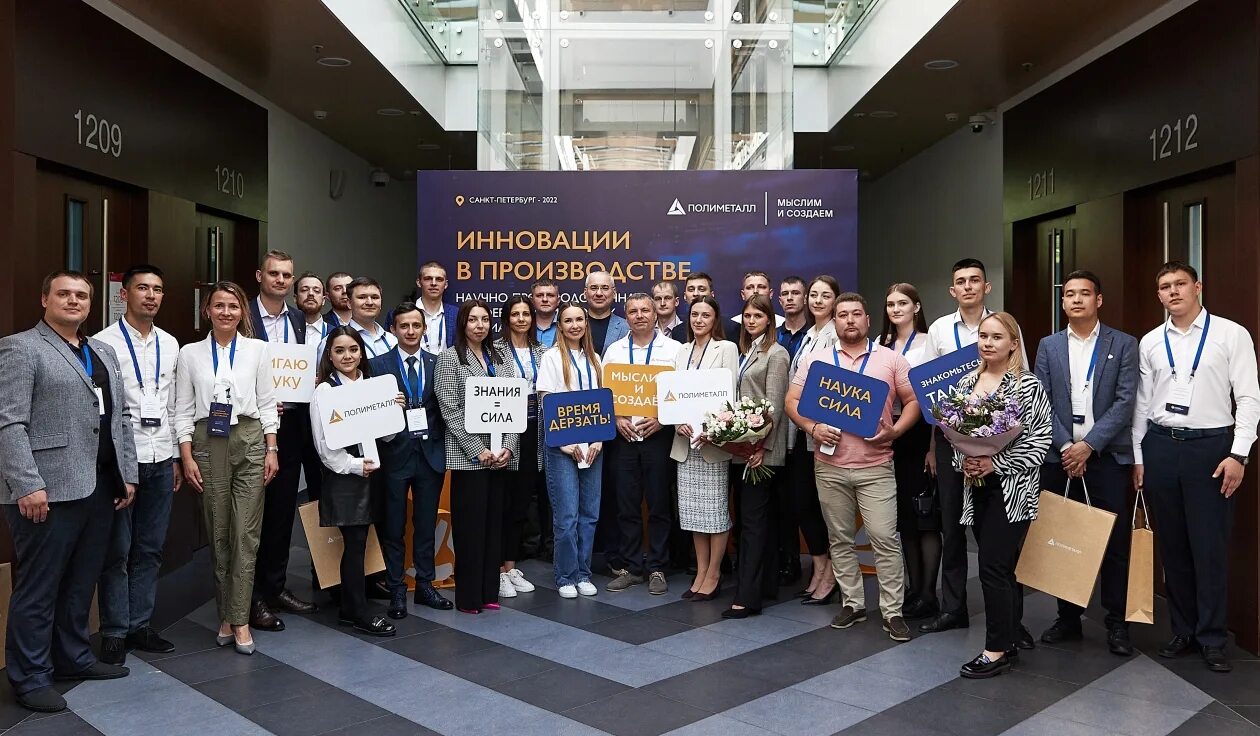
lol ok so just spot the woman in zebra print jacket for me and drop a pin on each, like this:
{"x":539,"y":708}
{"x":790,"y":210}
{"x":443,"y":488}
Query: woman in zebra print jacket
{"x":999,"y":522}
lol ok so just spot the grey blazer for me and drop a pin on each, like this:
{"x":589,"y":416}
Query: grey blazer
{"x":49,"y":421}
{"x":721,"y":354}
{"x":766,"y":377}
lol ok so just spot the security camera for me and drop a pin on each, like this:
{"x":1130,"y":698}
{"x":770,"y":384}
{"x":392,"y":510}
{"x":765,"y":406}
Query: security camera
{"x":379,"y":177}
{"x":977,"y":122}
{"x":321,"y":114}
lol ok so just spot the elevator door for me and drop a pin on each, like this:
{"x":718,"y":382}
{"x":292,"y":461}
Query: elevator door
{"x":214,"y":246}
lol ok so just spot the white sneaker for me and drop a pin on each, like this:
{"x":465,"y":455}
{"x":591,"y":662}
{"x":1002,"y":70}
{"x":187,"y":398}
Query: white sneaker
{"x":506,"y":589}
{"x":519,"y":582}
{"x":568,"y":591}
{"x":585,"y":588}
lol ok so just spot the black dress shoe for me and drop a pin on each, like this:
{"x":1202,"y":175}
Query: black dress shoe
{"x":919,"y":610}
{"x":398,"y":604}
{"x":261,"y":618}
{"x":1025,"y":640}
{"x":832,"y":597}
{"x":42,"y":700}
{"x":377,"y":626}
{"x":1118,"y":642}
{"x":1176,"y":646}
{"x":98,"y":671}
{"x":427,"y":596}
{"x":1062,"y":630}
{"x":113,"y":650}
{"x":741,"y":612}
{"x":286,"y":601}
{"x":945,"y":622}
{"x":147,"y":640}
{"x":981,"y":668}
{"x":1214,"y":658}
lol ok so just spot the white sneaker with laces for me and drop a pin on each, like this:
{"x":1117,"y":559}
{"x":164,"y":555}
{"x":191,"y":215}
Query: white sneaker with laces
{"x":506,"y":589}
{"x":519,"y":582}
{"x":568,"y":591}
{"x":586,"y":588}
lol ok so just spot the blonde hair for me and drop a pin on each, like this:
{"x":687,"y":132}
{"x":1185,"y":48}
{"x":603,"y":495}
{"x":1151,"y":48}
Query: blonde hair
{"x":588,"y":346}
{"x":1015,"y":362}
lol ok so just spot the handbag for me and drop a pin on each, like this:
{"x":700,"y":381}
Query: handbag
{"x":1140,"y":600}
{"x":1063,"y":549}
{"x":926,"y":502}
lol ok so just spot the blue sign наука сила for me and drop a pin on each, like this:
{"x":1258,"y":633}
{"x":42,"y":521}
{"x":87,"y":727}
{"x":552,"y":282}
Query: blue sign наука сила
{"x":847,"y":400}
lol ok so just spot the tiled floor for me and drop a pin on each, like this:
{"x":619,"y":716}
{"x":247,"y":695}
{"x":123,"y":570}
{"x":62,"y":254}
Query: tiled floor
{"x":631,"y":663}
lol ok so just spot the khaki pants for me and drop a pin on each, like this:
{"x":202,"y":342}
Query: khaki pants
{"x":872,"y":492}
{"x":232,"y":504}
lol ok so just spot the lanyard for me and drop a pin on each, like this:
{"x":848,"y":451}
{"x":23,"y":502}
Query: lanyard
{"x":649,"y":351}
{"x":283,"y":315}
{"x":214,"y":353}
{"x":906,"y":348}
{"x":336,"y":321}
{"x":589,"y":377}
{"x":322,"y":326}
{"x":414,"y":391}
{"x":85,"y":357}
{"x":870,"y":348}
{"x":368,"y":341}
{"x":485,"y":353}
{"x":533,"y":364}
{"x":743,"y":366}
{"x":1093,"y":360}
{"x":157,"y":368}
{"x":1207,"y":323}
{"x":702,"y":352}
{"x":441,"y":323}
{"x":957,"y":341}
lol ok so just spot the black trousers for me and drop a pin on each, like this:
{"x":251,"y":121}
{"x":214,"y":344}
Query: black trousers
{"x":312,"y":466}
{"x":949,"y":487}
{"x":58,"y":564}
{"x":477,"y":527}
{"x":644,"y":473}
{"x":758,"y":543}
{"x":1192,"y":521}
{"x":1108,"y":483}
{"x":805,"y":506}
{"x":607,"y":529}
{"x":525,"y":482}
{"x":425,"y":485}
{"x":999,"y":541}
{"x":784,"y":516}
{"x":280,"y":504}
{"x":353,"y":590}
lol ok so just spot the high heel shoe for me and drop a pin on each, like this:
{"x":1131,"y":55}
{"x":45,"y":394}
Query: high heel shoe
{"x":247,"y":648}
{"x":223,"y":640}
{"x":831,"y":597}
{"x":804,"y":593}
{"x":699,"y":597}
{"x":688,"y":594}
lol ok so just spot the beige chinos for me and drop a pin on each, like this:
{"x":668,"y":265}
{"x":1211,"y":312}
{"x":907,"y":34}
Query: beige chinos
{"x":872,"y":492}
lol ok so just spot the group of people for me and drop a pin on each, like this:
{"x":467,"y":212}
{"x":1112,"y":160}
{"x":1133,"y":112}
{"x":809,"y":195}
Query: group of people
{"x":125,"y":418}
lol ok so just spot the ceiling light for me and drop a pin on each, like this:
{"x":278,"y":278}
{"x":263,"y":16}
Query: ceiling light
{"x":882,"y":114}
{"x":333,"y":61}
{"x":940,"y":65}
{"x":389,"y":112}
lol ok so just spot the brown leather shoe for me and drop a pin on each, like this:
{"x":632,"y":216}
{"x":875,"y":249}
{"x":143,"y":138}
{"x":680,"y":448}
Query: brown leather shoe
{"x":286,"y":601}
{"x":261,"y":618}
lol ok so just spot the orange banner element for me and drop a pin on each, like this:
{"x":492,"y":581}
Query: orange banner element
{"x":633,"y":388}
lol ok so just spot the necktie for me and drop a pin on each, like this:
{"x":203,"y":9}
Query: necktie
{"x":413,"y":378}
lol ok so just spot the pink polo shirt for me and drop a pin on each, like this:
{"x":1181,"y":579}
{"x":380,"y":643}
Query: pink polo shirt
{"x":885,"y":365}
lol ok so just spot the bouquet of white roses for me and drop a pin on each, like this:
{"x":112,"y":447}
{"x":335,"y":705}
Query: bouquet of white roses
{"x":741,"y":429}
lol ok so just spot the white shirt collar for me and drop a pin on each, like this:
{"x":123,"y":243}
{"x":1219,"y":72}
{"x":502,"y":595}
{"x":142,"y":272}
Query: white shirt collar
{"x":1093,"y":333}
{"x":1198,"y":322}
{"x":262,"y":309}
{"x":374,"y":335}
{"x":403,"y":352}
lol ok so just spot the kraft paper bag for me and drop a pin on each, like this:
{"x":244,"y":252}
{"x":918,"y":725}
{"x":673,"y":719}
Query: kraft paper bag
{"x":1139,"y":606}
{"x":1064,"y":548}
{"x":326,"y":547}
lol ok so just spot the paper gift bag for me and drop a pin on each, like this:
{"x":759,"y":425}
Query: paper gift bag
{"x":1064,"y":547}
{"x":1139,"y":605}
{"x":326,"y":547}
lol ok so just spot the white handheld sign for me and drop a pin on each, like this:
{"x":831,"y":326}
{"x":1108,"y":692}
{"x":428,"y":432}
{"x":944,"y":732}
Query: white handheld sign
{"x":684,"y":397}
{"x":293,"y":371}
{"x":496,"y":406}
{"x":357,"y":412}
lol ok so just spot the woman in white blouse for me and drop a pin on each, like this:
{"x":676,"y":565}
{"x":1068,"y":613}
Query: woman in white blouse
{"x":702,"y":468}
{"x":345,"y":498}
{"x":226,"y":422}
{"x":573,"y":471}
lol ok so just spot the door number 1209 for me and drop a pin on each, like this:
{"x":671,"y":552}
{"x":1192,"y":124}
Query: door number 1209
{"x":99,"y":134}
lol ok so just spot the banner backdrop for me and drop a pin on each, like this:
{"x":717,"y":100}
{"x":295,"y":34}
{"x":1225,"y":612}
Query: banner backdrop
{"x":498,"y":232}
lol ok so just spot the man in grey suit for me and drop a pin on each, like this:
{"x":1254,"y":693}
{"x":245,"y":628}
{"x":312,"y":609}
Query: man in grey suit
{"x":1090,"y":372}
{"x":68,"y":462}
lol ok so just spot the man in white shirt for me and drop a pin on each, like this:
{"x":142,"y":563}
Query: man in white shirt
{"x":128,"y":583}
{"x":308,"y":294}
{"x":439,"y":316}
{"x":1198,"y":405}
{"x":365,"y":307}
{"x":665,"y":299}
{"x":335,"y":289}
{"x":643,"y":468}
{"x":545,"y":295}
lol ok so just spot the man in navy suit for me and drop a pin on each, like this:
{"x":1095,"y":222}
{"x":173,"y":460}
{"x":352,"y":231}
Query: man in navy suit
{"x":275,"y":321}
{"x":415,"y":458}
{"x":1090,"y":372}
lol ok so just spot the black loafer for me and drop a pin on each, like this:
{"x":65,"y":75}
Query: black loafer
{"x":98,"y":671}
{"x":1062,"y":630}
{"x":398,"y":605}
{"x":1214,"y":658}
{"x":982,"y":669}
{"x":945,"y":622}
{"x":1025,"y":640}
{"x":378,"y":626}
{"x":427,"y":596}
{"x":1118,"y":642}
{"x":42,"y":700}
{"x":1176,"y":646}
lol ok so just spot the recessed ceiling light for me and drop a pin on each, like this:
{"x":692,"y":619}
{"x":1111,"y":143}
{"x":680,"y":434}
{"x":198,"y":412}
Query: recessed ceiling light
{"x":940,"y":65}
{"x":883,"y":114}
{"x":842,"y":148}
{"x":333,"y":61}
{"x":390,"y":112}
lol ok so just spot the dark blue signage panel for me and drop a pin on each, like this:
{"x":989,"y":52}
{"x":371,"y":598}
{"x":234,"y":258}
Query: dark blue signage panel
{"x":574,"y":417}
{"x":847,"y":400}
{"x":933,"y":380}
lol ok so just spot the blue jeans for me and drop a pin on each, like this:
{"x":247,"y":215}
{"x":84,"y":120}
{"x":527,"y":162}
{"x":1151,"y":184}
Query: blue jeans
{"x":128,"y":583}
{"x":574,"y":496}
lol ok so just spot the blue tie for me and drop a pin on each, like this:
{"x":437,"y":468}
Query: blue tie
{"x":413,"y":378}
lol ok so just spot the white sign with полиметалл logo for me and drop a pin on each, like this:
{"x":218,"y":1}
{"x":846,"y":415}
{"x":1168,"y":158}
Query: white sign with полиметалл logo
{"x":357,"y":412}
{"x":496,"y":406}
{"x":684,"y":397}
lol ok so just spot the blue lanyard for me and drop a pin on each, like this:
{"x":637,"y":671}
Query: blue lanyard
{"x":533,"y":364}
{"x":485,"y":353}
{"x":285,"y":316}
{"x":910,"y":342}
{"x":870,"y":348}
{"x":415,"y":392}
{"x":956,"y":340}
{"x":743,"y":366}
{"x":1207,"y":323}
{"x":1093,"y":360}
{"x":590,"y":378}
{"x":336,"y":321}
{"x":649,"y":350}
{"x":157,"y":368}
{"x":693,"y":354}
{"x":336,"y":379}
{"x":85,"y":357}
{"x":214,"y":353}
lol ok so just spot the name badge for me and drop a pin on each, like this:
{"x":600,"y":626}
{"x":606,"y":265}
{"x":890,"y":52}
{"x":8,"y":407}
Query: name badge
{"x":418,"y":423}
{"x":151,"y":410}
{"x":100,"y":401}
{"x":1179,"y":396}
{"x":219,"y":423}
{"x":532,"y":411}
{"x":1078,"y":407}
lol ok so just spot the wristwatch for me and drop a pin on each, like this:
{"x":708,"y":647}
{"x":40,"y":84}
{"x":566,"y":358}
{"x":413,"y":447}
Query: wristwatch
{"x":1242,"y":459}
{"x":273,"y":449}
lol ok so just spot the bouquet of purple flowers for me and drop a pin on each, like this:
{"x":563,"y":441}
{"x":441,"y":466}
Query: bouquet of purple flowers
{"x":978,"y":426}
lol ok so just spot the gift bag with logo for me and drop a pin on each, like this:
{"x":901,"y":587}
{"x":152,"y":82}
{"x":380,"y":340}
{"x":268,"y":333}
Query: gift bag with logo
{"x":326,"y":547}
{"x":1064,"y":547}
{"x":1139,"y":606}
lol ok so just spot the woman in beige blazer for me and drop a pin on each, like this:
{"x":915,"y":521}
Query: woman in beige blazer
{"x":763,"y":374}
{"x":702,"y":471}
